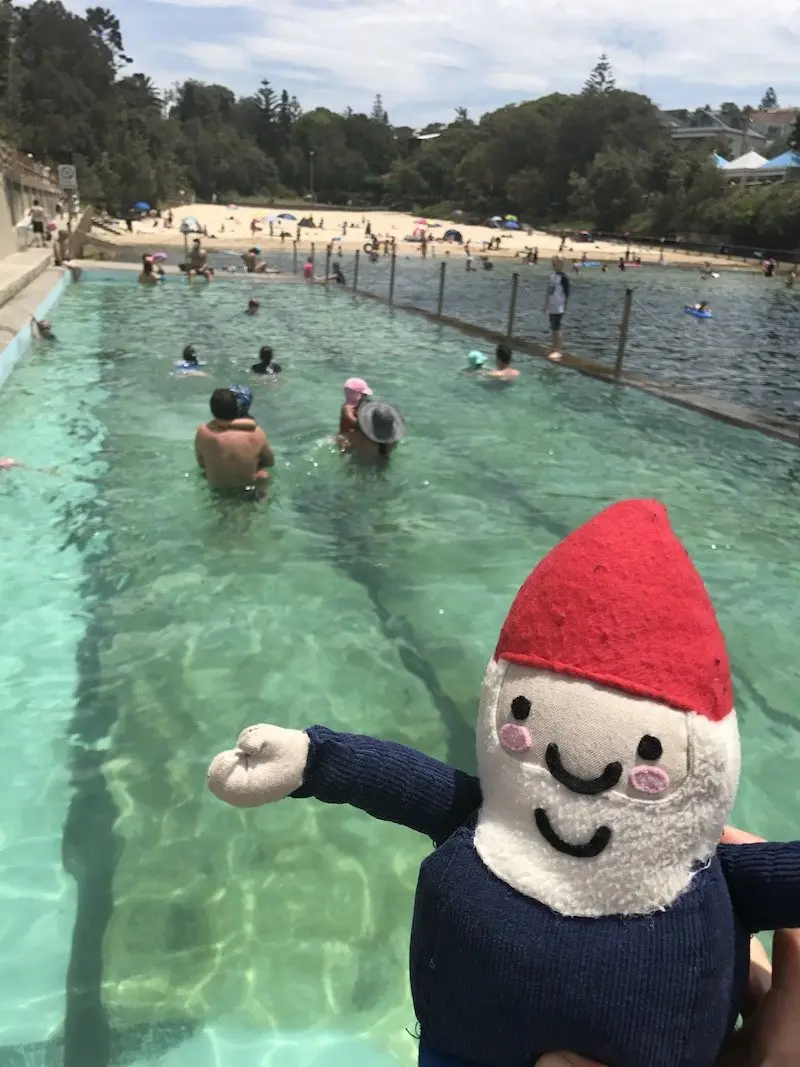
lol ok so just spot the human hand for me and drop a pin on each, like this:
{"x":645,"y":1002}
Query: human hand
{"x":770,"y":1034}
{"x":267,"y":764}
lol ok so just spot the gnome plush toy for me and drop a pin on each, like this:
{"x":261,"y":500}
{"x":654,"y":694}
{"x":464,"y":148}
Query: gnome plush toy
{"x":577,"y":897}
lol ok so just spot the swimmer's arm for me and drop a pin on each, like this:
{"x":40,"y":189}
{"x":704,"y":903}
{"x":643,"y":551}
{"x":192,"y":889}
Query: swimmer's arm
{"x":198,"y":451}
{"x":266,"y":457}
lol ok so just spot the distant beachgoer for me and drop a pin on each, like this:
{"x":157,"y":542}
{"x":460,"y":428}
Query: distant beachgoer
{"x":42,"y":330}
{"x":476,"y":361}
{"x":768,"y":266}
{"x":38,"y":219}
{"x":555,"y":305}
{"x":379,"y":429}
{"x":503,"y":371}
{"x":792,"y":278}
{"x":76,"y":272}
{"x":308,"y":269}
{"x":338,"y":275}
{"x":233,"y":454}
{"x":468,"y":266}
{"x":355,"y":391}
{"x":265,"y":364}
{"x":621,"y":263}
{"x":253,"y":307}
{"x":198,"y":262}
{"x":189,"y":365}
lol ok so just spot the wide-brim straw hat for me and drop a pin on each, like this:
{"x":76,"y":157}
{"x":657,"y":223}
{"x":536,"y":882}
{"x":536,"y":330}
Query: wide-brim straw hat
{"x":381,"y":422}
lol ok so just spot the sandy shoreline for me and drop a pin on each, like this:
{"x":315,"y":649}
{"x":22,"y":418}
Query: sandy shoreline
{"x":229,"y":230}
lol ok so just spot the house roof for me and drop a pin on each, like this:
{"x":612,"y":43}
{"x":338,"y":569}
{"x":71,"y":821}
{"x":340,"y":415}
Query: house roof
{"x":775,"y":116}
{"x":749,"y":161}
{"x":782,"y":162}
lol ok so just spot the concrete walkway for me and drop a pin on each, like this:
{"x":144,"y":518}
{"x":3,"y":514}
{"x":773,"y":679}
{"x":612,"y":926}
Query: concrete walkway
{"x":20,"y":269}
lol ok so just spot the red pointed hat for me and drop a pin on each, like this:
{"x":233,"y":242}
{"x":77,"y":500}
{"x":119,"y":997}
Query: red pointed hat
{"x":619,"y":602}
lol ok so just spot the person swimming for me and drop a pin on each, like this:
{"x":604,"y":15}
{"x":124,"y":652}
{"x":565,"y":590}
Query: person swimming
{"x":338,"y":275}
{"x":503,"y":371}
{"x":42,"y":330}
{"x":475,"y":362}
{"x":189,"y":364}
{"x":355,"y":390}
{"x":253,"y":307}
{"x":379,"y":429}
{"x":265,"y":364}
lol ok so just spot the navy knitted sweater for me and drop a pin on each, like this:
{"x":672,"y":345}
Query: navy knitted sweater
{"x":498,"y":979}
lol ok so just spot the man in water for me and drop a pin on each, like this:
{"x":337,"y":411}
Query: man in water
{"x":555,"y":305}
{"x":233,"y":453}
{"x":189,"y":365}
{"x":42,"y":330}
{"x":503,"y":371}
{"x":252,"y":307}
{"x":251,"y":261}
{"x":308,"y":269}
{"x":338,"y":275}
{"x":265,"y":364}
{"x":198,"y":262}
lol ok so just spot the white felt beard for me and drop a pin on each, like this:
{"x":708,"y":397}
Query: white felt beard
{"x":655,"y":844}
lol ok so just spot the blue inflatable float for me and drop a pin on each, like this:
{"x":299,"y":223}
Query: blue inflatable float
{"x":698,"y":314}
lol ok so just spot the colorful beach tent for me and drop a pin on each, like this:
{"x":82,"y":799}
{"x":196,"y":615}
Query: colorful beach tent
{"x":289,"y":218}
{"x":718,"y":160}
{"x":511,"y":226}
{"x":749,"y":161}
{"x":190,"y":225}
{"x":142,"y":205}
{"x":783,"y":162}
{"x":454,"y":235}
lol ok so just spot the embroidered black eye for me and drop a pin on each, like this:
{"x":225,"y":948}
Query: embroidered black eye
{"x":650,"y":748}
{"x":520,"y":707}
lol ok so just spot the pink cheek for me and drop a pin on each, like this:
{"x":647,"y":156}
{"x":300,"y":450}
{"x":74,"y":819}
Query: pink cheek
{"x":651,"y":780}
{"x":515,"y":738}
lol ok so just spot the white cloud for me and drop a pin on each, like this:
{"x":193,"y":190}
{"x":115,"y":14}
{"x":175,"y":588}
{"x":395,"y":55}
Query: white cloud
{"x":413,"y":50}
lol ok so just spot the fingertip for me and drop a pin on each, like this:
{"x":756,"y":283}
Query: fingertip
{"x":732,"y":835}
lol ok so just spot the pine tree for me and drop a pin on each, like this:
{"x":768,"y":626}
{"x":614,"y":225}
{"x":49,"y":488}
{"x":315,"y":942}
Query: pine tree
{"x":768,"y":100}
{"x":601,"y":80}
{"x":794,"y":135}
{"x":378,"y":113}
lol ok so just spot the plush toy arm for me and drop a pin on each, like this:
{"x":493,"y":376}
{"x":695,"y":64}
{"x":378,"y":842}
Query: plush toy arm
{"x":764,"y":882}
{"x":388,"y":781}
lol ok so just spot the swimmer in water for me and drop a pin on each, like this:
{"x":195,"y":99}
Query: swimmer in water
{"x":265,"y":364}
{"x":148,"y":275}
{"x":503,"y":371}
{"x":189,"y":366}
{"x":355,"y":390}
{"x":476,"y":361}
{"x":233,"y":453}
{"x":379,"y":429}
{"x":253,"y":307}
{"x":338,"y":275}
{"x":42,"y":330}
{"x":701,"y":307}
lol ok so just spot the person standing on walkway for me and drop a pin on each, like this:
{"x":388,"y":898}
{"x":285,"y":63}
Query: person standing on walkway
{"x":555,"y":305}
{"x":37,"y":222}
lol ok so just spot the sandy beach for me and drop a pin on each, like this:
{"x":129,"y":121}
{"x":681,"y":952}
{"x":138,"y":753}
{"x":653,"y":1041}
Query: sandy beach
{"x":229,"y":229}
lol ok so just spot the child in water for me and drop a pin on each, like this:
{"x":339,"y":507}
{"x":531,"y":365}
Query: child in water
{"x":355,"y":390}
{"x":189,"y":365}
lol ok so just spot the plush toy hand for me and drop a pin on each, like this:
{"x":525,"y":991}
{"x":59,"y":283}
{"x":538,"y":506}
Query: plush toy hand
{"x":770,"y":1036}
{"x":267,"y":764}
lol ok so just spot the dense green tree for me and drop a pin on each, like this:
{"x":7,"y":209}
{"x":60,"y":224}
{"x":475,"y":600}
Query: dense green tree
{"x":768,"y":100}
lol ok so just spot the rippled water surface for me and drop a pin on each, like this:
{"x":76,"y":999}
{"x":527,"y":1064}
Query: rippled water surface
{"x":217,"y":938}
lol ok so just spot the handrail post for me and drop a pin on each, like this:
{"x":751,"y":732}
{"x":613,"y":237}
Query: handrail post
{"x":327,"y":264}
{"x":512,"y":306}
{"x":442,"y":273}
{"x":313,"y":250}
{"x":392,"y":269}
{"x":623,"y":332}
{"x":294,"y":257}
{"x":355,"y":271}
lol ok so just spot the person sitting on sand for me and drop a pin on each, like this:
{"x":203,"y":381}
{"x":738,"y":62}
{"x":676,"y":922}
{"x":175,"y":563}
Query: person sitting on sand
{"x":476,"y":361}
{"x":232,"y":455}
{"x":198,"y":262}
{"x":42,"y":330}
{"x":265,"y":364}
{"x":355,"y":390}
{"x":503,"y":371}
{"x":189,"y":365}
{"x":252,"y":262}
{"x":253,"y":307}
{"x":379,"y":429}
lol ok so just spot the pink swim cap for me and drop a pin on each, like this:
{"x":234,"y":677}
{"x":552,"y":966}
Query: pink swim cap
{"x":356,"y":387}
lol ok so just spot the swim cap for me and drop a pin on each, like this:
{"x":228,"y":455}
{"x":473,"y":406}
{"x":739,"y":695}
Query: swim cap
{"x":357,"y":387}
{"x":244,"y":398}
{"x":476,"y":359}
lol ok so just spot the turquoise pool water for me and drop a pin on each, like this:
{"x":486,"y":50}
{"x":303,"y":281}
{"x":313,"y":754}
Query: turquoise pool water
{"x":150,"y":624}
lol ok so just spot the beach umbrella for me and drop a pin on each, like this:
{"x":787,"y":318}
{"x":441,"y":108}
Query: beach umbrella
{"x":289,"y":218}
{"x":270,"y":218}
{"x":158,"y":257}
{"x":142,"y":205}
{"x":511,"y":218}
{"x":496,"y":218}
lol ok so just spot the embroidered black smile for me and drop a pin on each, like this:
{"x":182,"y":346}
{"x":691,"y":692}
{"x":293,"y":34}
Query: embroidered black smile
{"x":587,"y":851}
{"x":587,"y":786}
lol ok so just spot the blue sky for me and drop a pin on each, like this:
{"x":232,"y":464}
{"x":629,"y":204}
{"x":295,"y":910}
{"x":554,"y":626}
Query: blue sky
{"x":427,"y":57}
